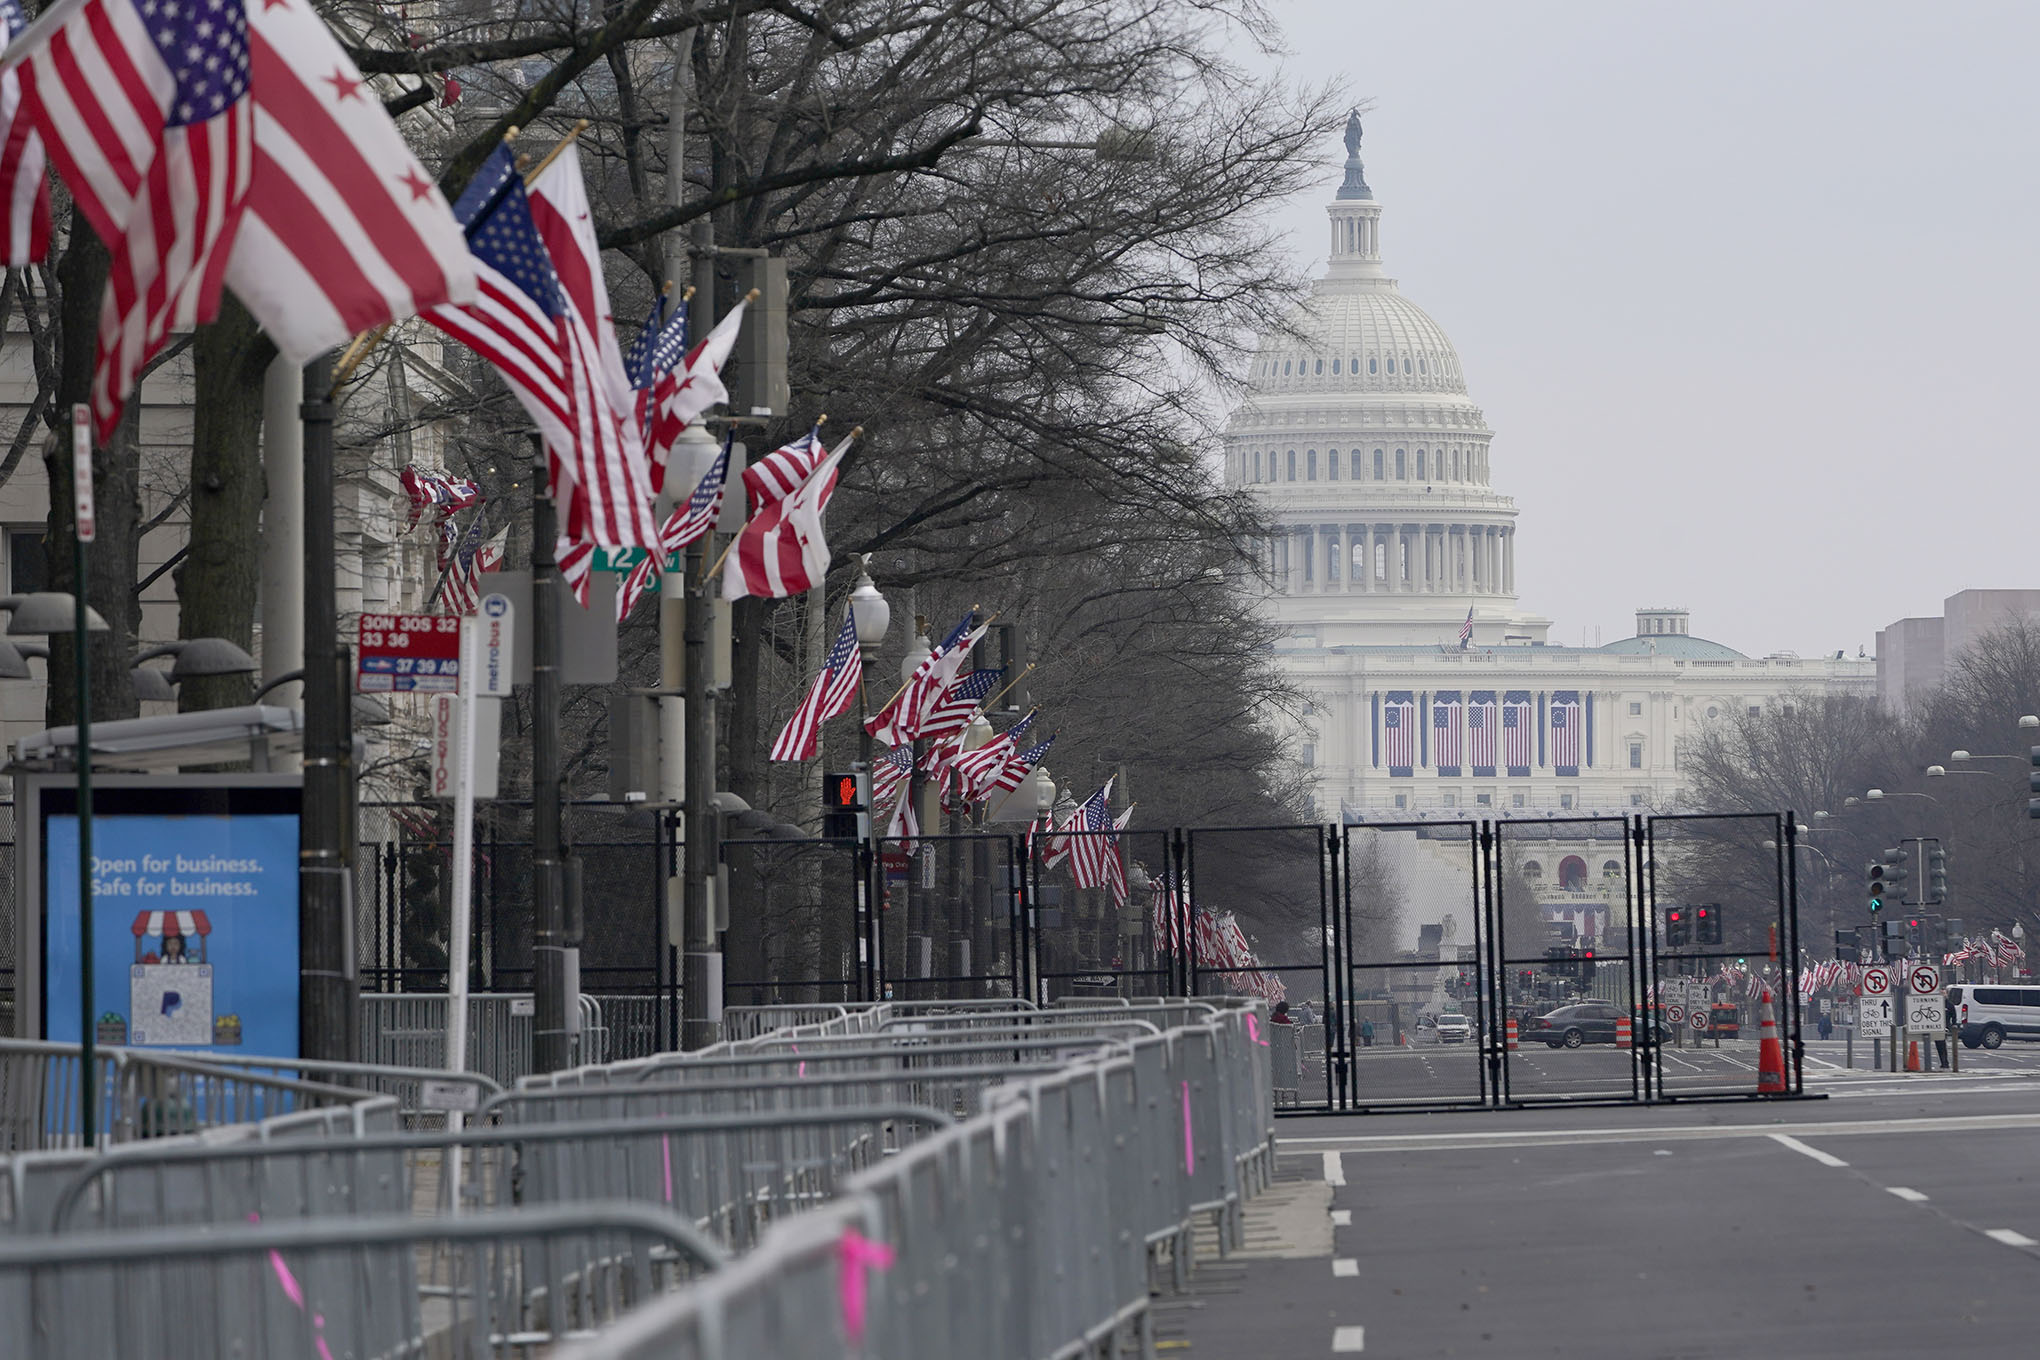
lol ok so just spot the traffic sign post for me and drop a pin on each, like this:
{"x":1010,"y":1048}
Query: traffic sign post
{"x":418,"y":653}
{"x":1923,"y":979}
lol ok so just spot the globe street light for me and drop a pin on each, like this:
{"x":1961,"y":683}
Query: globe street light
{"x":871,"y":616}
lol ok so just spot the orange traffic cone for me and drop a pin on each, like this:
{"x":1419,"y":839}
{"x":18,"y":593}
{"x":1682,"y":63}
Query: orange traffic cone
{"x":1770,"y":1053}
{"x":1912,"y":1056}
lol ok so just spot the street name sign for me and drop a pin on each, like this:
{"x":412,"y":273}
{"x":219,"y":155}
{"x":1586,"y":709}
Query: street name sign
{"x":1925,"y":1012}
{"x":408,"y":652}
{"x":1923,"y":979}
{"x":1876,"y":982}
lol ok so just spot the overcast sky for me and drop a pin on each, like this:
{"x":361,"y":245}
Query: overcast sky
{"x":1747,"y":291}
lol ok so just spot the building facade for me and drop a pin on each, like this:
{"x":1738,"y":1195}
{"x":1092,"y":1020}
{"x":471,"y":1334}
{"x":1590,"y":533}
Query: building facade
{"x":1913,"y":654}
{"x":1392,"y":569}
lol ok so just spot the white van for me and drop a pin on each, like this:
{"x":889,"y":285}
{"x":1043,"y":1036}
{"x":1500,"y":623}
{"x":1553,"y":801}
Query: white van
{"x":1988,"y":1015}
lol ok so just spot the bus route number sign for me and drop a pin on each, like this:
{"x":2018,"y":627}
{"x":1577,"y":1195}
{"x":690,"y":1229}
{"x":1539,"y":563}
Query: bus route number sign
{"x":408,"y":652}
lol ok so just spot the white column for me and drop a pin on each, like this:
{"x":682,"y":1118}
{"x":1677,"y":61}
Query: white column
{"x":1495,"y":557}
{"x":1509,"y":563}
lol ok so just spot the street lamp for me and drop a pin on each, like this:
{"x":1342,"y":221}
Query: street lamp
{"x":1958,"y":757}
{"x":871,"y":616}
{"x":1942,"y":772}
{"x":1879,"y":795}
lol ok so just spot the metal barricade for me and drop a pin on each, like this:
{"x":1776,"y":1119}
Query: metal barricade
{"x":424,"y":1095}
{"x":408,"y":1029}
{"x":499,"y":1284}
{"x":1283,"y":1060}
{"x":140,"y":1094}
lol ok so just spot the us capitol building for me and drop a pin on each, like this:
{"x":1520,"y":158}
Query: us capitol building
{"x":1390,"y":535}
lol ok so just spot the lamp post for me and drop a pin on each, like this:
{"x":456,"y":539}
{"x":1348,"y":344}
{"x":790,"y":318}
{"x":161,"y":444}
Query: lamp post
{"x":870,"y":615}
{"x":1028,"y":967}
{"x":919,"y":649}
{"x":42,"y":615}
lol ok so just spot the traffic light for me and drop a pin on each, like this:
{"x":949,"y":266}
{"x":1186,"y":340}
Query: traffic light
{"x":1879,"y":888}
{"x":1586,"y":965}
{"x":846,"y":806}
{"x":1894,"y":937}
{"x":1846,"y":946}
{"x":1937,"y":874}
{"x":1707,"y":925}
{"x":1956,"y":935}
{"x":755,"y":373}
{"x":2033,"y":783}
{"x":1895,"y":860}
{"x":1678,"y":930}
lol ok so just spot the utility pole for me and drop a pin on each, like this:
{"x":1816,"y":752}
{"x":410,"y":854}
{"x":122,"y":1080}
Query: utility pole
{"x":551,"y":1038}
{"x":329,"y":999}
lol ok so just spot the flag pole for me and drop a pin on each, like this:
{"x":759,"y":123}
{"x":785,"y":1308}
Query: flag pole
{"x":731,"y":546}
{"x":1002,"y":693}
{"x":573,"y":133}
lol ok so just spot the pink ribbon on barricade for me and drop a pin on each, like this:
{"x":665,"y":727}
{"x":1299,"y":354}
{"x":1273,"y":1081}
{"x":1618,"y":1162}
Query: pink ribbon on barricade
{"x":1189,"y":1143}
{"x":296,"y":1294}
{"x":857,"y":1255}
{"x":1254,"y":1031}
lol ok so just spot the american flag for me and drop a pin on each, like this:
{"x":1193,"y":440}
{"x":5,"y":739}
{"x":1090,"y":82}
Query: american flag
{"x":975,"y":770}
{"x":901,"y":719}
{"x":894,"y":767}
{"x":690,"y":520}
{"x":431,"y":491}
{"x":779,"y":473}
{"x":1518,"y":740}
{"x":959,"y":703}
{"x":1022,"y":765}
{"x":1445,"y":733}
{"x":525,"y":324}
{"x":659,"y":346}
{"x":1466,"y":629}
{"x":143,"y":105}
{"x":1056,"y":841}
{"x":462,"y":593}
{"x":781,"y":550}
{"x":1480,"y":732}
{"x":1399,"y":731}
{"x":832,"y":693}
{"x":687,"y":386}
{"x":1095,"y":842}
{"x":1167,"y":911}
{"x":2006,"y":950}
{"x":904,"y":826}
{"x":566,"y":223}
{"x":24,"y":187}
{"x":449,"y":543}
{"x":1565,"y":732}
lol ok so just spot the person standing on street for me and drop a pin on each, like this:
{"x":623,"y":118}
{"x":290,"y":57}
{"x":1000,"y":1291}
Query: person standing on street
{"x":1366,"y":1033}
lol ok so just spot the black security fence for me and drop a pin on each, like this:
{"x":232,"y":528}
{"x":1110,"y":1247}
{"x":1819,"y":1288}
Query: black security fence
{"x":1428,"y":965}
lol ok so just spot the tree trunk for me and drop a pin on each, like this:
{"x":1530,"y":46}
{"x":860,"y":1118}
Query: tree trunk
{"x":110,"y":565}
{"x":216,"y":585}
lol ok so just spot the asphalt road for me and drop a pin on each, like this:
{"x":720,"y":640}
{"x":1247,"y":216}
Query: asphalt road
{"x":1900,"y":1217}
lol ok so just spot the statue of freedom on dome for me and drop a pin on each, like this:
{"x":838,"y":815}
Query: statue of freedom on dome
{"x":1353,"y":133}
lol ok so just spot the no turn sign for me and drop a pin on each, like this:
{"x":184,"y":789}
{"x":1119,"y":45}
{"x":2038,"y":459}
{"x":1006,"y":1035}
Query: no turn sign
{"x":1676,"y":1014}
{"x":1699,"y":1020}
{"x":1877,"y":982}
{"x":1924,"y":979}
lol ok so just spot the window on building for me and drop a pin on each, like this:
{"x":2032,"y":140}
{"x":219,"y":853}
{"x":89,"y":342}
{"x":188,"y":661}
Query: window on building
{"x":1635,"y":708}
{"x":1455,"y":465}
{"x":1636,"y":800}
{"x":1257,"y":465}
{"x":1713,"y":712}
{"x":1406,"y":365}
{"x":1402,"y":800}
{"x":1515,"y":800}
{"x":1420,"y":465}
{"x":1335,"y":367}
{"x":1610,"y":869}
{"x":1332,"y":461}
{"x":26,"y":571}
{"x":1565,"y":802}
{"x":1483,"y":799}
{"x":1635,"y":755}
{"x":1377,"y":464}
{"x":1572,"y":870}
{"x":1285,"y":368}
{"x":1310,"y":753}
{"x":1310,"y":465}
{"x":1320,"y":366}
{"x":1402,"y":472}
{"x":1532,"y":870}
{"x":1421,"y":368}
{"x":1450,"y":800}
{"x":1371,"y":365}
{"x":1292,"y":465}
{"x":1756,"y":710}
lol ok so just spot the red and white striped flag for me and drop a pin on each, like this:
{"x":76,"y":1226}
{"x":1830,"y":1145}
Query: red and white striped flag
{"x":901,"y":719}
{"x":975,"y":770}
{"x":1094,"y":844}
{"x":781,"y":551}
{"x":832,"y":693}
{"x":1022,"y":765}
{"x":680,"y":394}
{"x":779,"y":473}
{"x":343,"y":230}
{"x":689,"y":521}
{"x":463,"y":591}
{"x":24,"y":178}
{"x":145,"y":108}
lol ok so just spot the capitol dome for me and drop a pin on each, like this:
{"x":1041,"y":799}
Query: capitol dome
{"x":1372,"y":461}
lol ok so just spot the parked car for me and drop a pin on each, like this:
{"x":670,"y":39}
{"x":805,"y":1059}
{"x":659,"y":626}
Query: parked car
{"x":1986,"y":1016}
{"x":1454,"y":1029}
{"x":1583,"y":1022}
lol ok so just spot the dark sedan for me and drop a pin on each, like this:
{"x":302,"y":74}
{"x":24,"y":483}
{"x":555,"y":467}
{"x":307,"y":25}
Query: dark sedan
{"x":1585,"y":1022}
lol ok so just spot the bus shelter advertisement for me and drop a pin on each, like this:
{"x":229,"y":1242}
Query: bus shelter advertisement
{"x":195,"y":919}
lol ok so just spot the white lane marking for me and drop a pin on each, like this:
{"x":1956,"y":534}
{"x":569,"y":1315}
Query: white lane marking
{"x":1345,"y":1265}
{"x":1346,"y":1340}
{"x":2010,"y":1237}
{"x":1540,"y":1137}
{"x":1824,"y":1158}
{"x":1909,"y":1195}
{"x":1335,"y":1169}
{"x":1342,"y":1218}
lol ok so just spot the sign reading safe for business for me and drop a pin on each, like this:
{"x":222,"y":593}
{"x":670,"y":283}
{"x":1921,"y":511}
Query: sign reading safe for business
{"x":195,"y":911}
